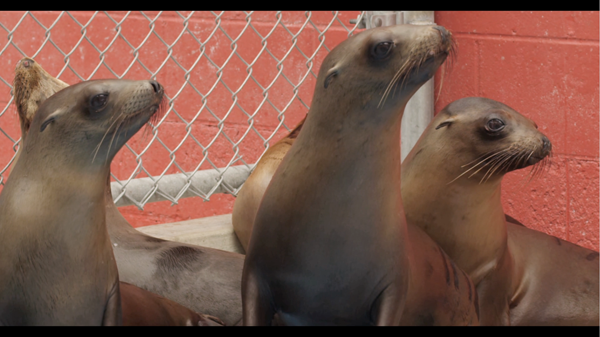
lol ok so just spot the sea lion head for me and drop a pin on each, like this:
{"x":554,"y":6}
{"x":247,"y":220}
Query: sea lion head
{"x":379,"y":69}
{"x":32,"y":85}
{"x":90,"y":121}
{"x":487,"y":138}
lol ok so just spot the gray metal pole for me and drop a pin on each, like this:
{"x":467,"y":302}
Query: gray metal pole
{"x":419,"y":110}
{"x":137,"y":191}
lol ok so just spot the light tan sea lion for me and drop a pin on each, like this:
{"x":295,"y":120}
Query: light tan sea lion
{"x":249,"y":197}
{"x":330,"y":243}
{"x":451,"y":189}
{"x":56,"y":261}
{"x":203,"y":279}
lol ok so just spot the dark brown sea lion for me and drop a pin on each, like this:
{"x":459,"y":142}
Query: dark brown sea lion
{"x":249,"y":197}
{"x":143,"y":308}
{"x":451,"y":189}
{"x":330,"y":244}
{"x":56,"y":261}
{"x":203,"y":279}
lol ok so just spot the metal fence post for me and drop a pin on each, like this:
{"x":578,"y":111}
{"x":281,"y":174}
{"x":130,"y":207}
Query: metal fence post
{"x":419,"y":110}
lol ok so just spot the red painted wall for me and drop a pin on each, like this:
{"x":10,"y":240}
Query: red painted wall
{"x":545,"y":66}
{"x":542,"y":64}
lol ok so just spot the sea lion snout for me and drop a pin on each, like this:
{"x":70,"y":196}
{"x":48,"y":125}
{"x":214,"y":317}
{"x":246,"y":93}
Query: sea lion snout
{"x":544,"y":151}
{"x":143,"y":95}
{"x":444,"y":33}
{"x":547,"y":146}
{"x":27,"y":62}
{"x":156,"y":86}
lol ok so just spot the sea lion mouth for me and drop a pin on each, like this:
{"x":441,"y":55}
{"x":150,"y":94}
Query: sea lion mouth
{"x":150,"y":113}
{"x":135,"y":109}
{"x":424,"y":56}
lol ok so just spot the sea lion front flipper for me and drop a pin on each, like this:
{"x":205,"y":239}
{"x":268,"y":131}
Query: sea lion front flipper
{"x":387,"y":309}
{"x":113,"y":315}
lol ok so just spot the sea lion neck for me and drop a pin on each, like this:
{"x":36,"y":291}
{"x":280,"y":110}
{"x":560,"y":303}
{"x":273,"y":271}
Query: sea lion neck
{"x":464,"y":216}
{"x":364,"y":163}
{"x":75,"y":161}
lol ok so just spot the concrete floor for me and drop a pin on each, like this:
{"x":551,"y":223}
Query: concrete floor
{"x":214,"y":232}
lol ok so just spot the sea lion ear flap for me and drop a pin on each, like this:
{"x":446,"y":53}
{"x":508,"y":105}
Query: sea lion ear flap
{"x":332,"y":73}
{"x":445,"y":123}
{"x":53,"y":116}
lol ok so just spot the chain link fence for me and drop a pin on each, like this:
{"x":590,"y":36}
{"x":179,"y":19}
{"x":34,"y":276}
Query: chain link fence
{"x":235,"y":82}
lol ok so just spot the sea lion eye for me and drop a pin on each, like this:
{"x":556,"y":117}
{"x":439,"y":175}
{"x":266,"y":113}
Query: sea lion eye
{"x":382,"y":49}
{"x":99,"y":101}
{"x":494,"y":125}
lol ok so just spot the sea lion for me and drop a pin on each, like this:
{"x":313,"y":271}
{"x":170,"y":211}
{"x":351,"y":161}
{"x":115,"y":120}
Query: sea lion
{"x":203,"y":279}
{"x":56,"y":261}
{"x":523,"y":277}
{"x":249,"y":197}
{"x":33,"y":85}
{"x":330,"y":244}
{"x":143,"y":308}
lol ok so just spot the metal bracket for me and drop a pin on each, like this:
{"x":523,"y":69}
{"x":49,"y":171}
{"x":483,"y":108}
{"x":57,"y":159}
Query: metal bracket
{"x":372,"y":19}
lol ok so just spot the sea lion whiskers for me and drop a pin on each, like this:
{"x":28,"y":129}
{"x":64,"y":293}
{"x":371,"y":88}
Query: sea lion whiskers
{"x":156,"y":117}
{"x":113,"y":136}
{"x":489,"y":156}
{"x":495,"y":164}
{"x":500,"y":161}
{"x":408,"y":65}
{"x":447,"y":67}
{"x":392,"y":82}
{"x":444,"y":67}
{"x":411,"y":65}
{"x":102,"y":140}
{"x":123,"y":118}
{"x":538,"y":168}
{"x":418,"y":55}
{"x":476,"y":159}
{"x":512,"y":158}
{"x":518,"y":157}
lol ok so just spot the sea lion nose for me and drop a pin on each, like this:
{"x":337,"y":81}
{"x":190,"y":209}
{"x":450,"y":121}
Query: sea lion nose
{"x":444,"y":33}
{"x":27,"y":63}
{"x":547,"y":146}
{"x":157,"y":87}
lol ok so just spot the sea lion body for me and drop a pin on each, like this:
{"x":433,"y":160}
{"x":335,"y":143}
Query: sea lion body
{"x":56,"y":260}
{"x":523,"y":277}
{"x":203,"y":279}
{"x":249,"y":197}
{"x":330,"y":244}
{"x":556,"y":280}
